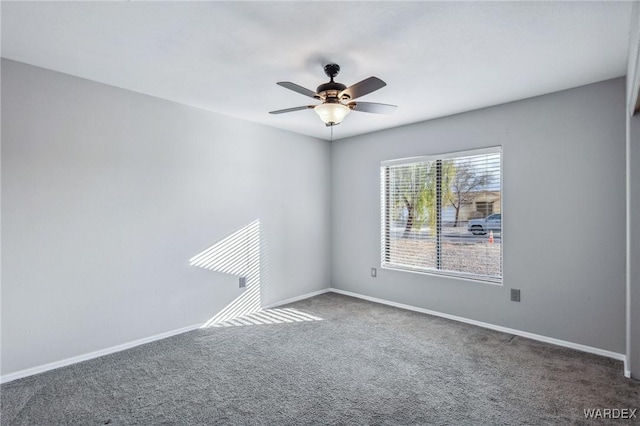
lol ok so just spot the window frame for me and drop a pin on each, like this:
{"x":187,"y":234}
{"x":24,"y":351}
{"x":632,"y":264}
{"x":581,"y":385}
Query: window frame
{"x":385,"y":227}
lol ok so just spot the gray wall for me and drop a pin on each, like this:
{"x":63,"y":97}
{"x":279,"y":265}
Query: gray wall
{"x":107,"y":194}
{"x":564,"y":223}
{"x":633,"y":207}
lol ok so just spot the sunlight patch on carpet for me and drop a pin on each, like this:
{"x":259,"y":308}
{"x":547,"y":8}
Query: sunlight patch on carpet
{"x":269,"y":316}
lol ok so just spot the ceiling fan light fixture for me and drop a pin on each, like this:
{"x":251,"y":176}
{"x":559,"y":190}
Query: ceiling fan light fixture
{"x":332,"y":113}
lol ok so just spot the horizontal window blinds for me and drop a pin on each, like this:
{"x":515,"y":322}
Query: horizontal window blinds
{"x":444,"y":214}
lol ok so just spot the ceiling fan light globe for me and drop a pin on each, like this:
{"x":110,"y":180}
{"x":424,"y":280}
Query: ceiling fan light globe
{"x":332,"y":113}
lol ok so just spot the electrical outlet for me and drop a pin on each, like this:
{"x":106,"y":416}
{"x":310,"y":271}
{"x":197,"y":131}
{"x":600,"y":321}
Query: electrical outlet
{"x":515,"y":295}
{"x":243,"y":282}
{"x":374,"y":272}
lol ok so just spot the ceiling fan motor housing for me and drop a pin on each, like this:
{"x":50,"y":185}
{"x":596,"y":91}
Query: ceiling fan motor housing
{"x":330,"y":91}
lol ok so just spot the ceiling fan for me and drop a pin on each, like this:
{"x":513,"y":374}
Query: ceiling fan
{"x":338,"y":99}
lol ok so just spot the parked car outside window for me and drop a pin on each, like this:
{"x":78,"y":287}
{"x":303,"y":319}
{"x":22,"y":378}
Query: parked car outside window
{"x":482,"y":226}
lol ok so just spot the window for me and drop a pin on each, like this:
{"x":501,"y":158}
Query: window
{"x":443,"y":214}
{"x":484,"y":207}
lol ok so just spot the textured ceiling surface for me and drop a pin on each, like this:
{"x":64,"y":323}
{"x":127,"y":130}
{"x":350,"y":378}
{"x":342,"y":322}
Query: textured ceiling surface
{"x":437,"y":58}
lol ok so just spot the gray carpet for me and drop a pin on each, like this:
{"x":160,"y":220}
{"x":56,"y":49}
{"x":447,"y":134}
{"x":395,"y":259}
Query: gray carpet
{"x":363,"y":364}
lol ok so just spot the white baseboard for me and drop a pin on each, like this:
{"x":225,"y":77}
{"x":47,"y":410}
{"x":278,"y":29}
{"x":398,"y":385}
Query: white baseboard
{"x":51,"y":366}
{"x":297,"y":298}
{"x":73,"y":360}
{"x":627,"y":372}
{"x":558,"y":342}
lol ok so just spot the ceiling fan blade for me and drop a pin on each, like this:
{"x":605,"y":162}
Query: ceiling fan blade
{"x":364,"y":87}
{"x":372,"y":107}
{"x":300,"y":108}
{"x":303,"y":91}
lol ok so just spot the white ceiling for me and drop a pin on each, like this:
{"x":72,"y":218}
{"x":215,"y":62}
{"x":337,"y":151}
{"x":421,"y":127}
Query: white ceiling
{"x":437,"y":58}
